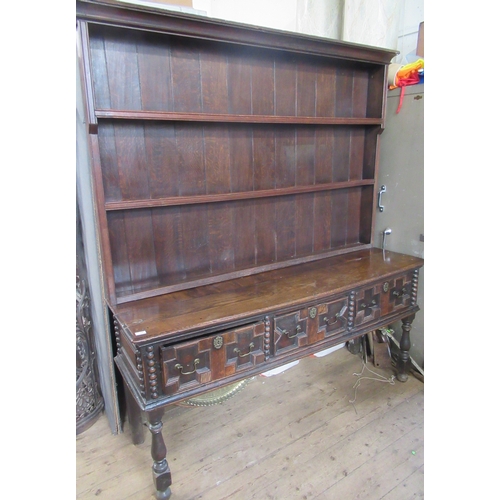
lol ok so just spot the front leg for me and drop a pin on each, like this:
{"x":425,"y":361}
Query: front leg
{"x":134,"y":416}
{"x":404,"y":348}
{"x":162,"y":478}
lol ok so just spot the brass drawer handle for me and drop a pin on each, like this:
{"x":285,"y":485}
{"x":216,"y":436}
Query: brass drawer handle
{"x":298,"y":330}
{"x":338,"y":317}
{"x":180,"y":367}
{"x":238,"y":352}
{"x":399,"y":293}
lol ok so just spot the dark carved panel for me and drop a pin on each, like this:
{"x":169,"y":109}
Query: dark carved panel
{"x":89,"y":401}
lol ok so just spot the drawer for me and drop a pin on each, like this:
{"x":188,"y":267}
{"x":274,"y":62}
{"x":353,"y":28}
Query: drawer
{"x":190,"y":364}
{"x":367,"y":305}
{"x":310,"y":325}
{"x":332,"y":317}
{"x":386,"y":297}
{"x":290,"y":331}
{"x":399,"y":292}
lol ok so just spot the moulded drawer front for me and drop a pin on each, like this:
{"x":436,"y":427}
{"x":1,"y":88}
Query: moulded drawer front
{"x":290,"y":331}
{"x":399,"y":293}
{"x":386,"y":297}
{"x":190,"y":364}
{"x":332,"y":317}
{"x":367,"y":305}
{"x":243,"y":348}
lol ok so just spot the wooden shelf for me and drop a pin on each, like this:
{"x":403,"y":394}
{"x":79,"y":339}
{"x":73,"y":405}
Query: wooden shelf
{"x":232,"y":118}
{"x":158,"y":287}
{"x":224,"y":197}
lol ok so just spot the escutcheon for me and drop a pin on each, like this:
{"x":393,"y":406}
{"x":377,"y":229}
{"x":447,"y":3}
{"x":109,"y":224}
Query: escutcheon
{"x":218,"y":341}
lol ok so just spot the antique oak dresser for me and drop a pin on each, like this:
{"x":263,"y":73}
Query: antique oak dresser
{"x":235,"y":187}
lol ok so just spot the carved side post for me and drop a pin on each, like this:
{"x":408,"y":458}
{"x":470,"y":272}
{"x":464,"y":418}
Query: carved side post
{"x":404,"y":348}
{"x":161,"y":472}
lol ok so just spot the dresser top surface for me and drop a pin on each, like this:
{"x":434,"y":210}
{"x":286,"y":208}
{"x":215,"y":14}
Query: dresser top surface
{"x":171,"y":315}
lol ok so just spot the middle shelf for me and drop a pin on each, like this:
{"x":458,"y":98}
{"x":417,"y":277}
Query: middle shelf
{"x":148,"y":164}
{"x":241,"y":195}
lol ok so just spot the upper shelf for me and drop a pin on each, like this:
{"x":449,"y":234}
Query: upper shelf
{"x":151,"y":76}
{"x":231,"y":118}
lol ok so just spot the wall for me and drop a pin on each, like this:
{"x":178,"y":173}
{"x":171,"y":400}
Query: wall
{"x":391,"y":24}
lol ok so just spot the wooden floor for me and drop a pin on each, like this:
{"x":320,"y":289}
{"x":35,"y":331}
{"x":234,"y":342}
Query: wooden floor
{"x":304,"y":439}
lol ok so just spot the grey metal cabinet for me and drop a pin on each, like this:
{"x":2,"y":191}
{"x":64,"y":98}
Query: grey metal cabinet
{"x":401,"y":171}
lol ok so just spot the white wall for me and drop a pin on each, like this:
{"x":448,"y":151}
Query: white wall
{"x":391,"y":24}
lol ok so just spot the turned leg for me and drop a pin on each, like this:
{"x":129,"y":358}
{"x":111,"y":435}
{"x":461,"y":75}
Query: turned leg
{"x":161,"y":472}
{"x":404,"y":348}
{"x":134,"y":417}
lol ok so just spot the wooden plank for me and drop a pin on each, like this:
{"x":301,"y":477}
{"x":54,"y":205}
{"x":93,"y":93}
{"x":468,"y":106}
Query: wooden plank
{"x":306,"y":83}
{"x":118,"y":250}
{"x":190,"y":144}
{"x":168,"y":244}
{"x":304,"y":204}
{"x":343,"y":92}
{"x":340,"y":201}
{"x":361,"y":81}
{"x":286,"y":85}
{"x":220,"y":243}
{"x":194,"y":237}
{"x":217,"y":159}
{"x":123,"y":73}
{"x":239,"y":83}
{"x":325,"y":90}
{"x":109,"y":167}
{"x":341,"y":154}
{"x":323,"y":156}
{"x":155,"y":74}
{"x":131,"y":161}
{"x":285,"y":228}
{"x":214,"y":79}
{"x":243,"y":236}
{"x":265,"y":232}
{"x":413,"y":485}
{"x":139,"y":237}
{"x":185,"y":64}
{"x":99,"y":72}
{"x":384,"y":472}
{"x":356,"y":157}
{"x":353,"y":219}
{"x":241,"y":159}
{"x":162,"y":159}
{"x":263,"y":86}
{"x":322,"y":222}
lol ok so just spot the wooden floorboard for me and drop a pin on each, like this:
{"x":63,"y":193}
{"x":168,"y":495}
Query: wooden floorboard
{"x":310,"y":435}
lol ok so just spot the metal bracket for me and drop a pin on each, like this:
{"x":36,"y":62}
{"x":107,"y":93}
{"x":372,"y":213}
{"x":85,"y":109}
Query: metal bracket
{"x":382,"y":190}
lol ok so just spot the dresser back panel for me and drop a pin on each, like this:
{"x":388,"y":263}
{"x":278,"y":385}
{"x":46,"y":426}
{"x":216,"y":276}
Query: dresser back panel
{"x":149,"y":71}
